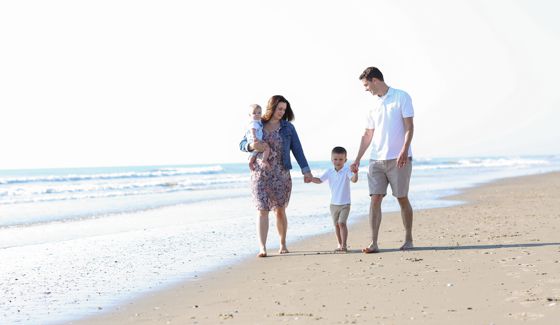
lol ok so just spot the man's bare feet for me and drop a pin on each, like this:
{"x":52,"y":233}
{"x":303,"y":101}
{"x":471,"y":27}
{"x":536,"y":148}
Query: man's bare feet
{"x":407,"y":246}
{"x":262,"y":253}
{"x":283,"y":250}
{"x":370,"y":249}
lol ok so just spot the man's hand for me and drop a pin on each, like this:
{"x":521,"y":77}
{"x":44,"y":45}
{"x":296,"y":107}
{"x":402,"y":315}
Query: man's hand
{"x":403,"y":159}
{"x":355,"y":166}
{"x":307,"y":177}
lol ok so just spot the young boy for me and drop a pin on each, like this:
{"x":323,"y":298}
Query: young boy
{"x":254,"y":134}
{"x":339,"y":179}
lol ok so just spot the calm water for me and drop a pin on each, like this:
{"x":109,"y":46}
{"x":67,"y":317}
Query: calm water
{"x":78,"y":241}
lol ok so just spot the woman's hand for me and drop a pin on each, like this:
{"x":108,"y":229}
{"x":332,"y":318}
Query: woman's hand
{"x":257,"y":146}
{"x":307,"y":177}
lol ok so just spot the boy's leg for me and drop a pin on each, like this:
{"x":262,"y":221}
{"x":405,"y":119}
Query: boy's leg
{"x":335,"y":213}
{"x":344,"y":212}
{"x":343,"y":235}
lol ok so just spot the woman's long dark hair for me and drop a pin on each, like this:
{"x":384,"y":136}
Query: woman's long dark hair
{"x":271,"y":108}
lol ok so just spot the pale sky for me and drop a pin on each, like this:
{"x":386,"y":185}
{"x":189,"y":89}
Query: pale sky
{"x":105,"y":83}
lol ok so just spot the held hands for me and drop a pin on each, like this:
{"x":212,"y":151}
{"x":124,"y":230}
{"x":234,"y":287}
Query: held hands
{"x":355,"y":166}
{"x":307,"y":177}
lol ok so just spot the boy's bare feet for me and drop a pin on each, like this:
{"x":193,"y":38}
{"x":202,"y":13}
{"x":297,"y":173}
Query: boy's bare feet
{"x":407,"y":246}
{"x":262,"y":253}
{"x":283,"y":250}
{"x":371,"y":249}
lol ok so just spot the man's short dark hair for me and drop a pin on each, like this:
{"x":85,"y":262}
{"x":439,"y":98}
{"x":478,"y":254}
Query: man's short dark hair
{"x":370,"y":73}
{"x":338,"y":150}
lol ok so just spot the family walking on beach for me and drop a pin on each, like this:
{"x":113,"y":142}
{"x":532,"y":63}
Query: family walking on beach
{"x":389,"y":130}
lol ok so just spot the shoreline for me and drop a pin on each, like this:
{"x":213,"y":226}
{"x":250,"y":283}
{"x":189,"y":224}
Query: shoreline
{"x":314,"y":284}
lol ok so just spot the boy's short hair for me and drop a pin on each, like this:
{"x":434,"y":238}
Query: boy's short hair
{"x":370,"y":73}
{"x":339,"y":150}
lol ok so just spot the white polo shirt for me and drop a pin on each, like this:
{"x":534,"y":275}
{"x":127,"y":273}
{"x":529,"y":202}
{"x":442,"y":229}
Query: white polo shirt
{"x":339,"y":182}
{"x":386,"y":117}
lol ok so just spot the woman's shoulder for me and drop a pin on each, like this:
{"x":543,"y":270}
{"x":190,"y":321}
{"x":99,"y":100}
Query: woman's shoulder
{"x":287,"y":124}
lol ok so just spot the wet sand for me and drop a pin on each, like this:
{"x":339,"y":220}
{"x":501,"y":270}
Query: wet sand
{"x":493,"y":260}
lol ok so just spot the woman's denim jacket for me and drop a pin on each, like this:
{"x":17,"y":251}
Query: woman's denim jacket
{"x":290,"y":141}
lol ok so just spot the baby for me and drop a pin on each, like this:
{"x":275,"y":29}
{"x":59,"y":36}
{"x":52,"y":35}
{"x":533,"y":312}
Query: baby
{"x":255,"y":134}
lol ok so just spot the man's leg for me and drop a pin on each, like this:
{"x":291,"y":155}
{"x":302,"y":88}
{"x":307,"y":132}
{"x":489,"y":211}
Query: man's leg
{"x":374,"y":222}
{"x":262,"y":231}
{"x":282,"y":226}
{"x":406,"y":214}
{"x":338,"y":236}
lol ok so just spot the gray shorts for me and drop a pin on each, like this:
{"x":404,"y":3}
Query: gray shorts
{"x":340,"y":213}
{"x":384,"y":172}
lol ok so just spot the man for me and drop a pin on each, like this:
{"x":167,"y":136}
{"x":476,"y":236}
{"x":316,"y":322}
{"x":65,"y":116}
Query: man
{"x":390,"y":126}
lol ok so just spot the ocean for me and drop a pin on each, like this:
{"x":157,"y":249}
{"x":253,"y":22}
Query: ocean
{"x":79,"y":241}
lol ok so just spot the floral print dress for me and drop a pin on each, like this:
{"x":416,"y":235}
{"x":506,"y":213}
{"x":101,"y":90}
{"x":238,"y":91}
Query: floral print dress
{"x":271,"y":188}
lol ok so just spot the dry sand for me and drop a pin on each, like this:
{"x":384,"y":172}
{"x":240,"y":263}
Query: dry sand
{"x":494,"y":260}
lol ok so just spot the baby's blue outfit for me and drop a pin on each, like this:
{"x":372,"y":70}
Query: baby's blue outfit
{"x":258,"y":126}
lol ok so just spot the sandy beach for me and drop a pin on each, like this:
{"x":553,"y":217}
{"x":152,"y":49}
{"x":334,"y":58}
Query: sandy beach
{"x":493,"y":260}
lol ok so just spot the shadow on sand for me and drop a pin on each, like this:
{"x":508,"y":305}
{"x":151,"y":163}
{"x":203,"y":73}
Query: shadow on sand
{"x":420,"y":248}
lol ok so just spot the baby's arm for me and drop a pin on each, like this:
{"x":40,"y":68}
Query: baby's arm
{"x":254,"y":133}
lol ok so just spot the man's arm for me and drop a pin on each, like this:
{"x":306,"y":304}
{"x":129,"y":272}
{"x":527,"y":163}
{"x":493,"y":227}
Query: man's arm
{"x":409,"y":133}
{"x":364,"y":145}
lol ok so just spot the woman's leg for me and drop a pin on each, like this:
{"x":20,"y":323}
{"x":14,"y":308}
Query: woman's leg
{"x":282,"y":225}
{"x":262,"y":231}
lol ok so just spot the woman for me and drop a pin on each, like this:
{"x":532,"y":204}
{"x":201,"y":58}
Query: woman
{"x":271,"y":187}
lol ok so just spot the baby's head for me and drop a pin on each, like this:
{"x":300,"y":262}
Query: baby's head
{"x":338,"y":157}
{"x":255,"y":111}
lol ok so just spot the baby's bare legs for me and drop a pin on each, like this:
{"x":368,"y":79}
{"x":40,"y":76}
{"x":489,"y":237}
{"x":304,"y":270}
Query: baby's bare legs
{"x":252,"y":162}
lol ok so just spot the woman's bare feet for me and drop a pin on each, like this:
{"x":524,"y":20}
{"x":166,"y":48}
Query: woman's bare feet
{"x":407,"y":246}
{"x":283,"y":250}
{"x":262,"y":252}
{"x":341,"y":249}
{"x":371,"y":249}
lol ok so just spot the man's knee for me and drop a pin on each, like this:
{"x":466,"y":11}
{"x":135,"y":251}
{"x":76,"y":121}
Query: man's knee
{"x":403,"y":200}
{"x":376,"y":199}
